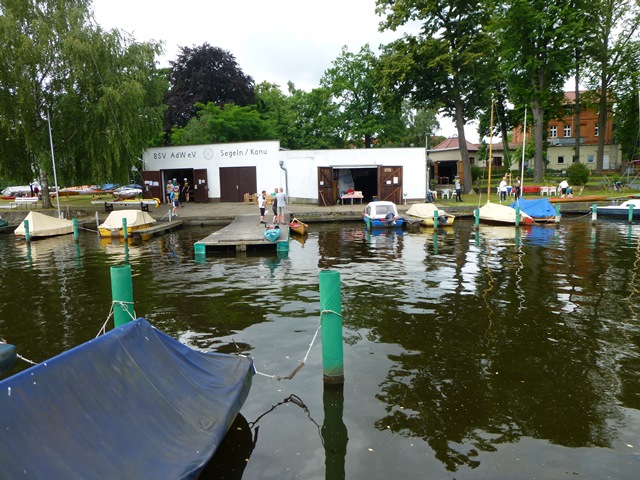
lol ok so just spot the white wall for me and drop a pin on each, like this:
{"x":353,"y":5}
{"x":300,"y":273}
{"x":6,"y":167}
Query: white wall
{"x":301,"y":166}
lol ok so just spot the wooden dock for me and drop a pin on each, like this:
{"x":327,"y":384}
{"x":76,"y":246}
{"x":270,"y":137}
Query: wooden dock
{"x":158,"y":228}
{"x":244,"y":232}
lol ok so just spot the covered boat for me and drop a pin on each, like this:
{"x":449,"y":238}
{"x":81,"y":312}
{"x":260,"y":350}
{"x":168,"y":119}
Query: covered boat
{"x":497,"y":214}
{"x":538,"y":209}
{"x":382,"y":214}
{"x":41,"y":225}
{"x":132,"y":403}
{"x":423,"y":213}
{"x":136,"y":220}
{"x":621,"y":210}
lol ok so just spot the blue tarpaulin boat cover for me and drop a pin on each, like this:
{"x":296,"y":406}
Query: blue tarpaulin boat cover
{"x":540,"y":208}
{"x":133,"y":403}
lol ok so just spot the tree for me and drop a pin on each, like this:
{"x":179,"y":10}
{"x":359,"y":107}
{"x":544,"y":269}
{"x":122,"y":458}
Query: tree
{"x":351,"y":81}
{"x":214,"y":124}
{"x":202,"y":75}
{"x":98,"y":91}
{"x":616,"y":24}
{"x":446,"y":65}
{"x":535,"y":50}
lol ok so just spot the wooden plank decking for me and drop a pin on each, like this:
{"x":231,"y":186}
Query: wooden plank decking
{"x":245,"y":231}
{"x":156,"y":229}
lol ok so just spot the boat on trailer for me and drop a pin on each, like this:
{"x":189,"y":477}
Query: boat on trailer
{"x":132,"y":403}
{"x":382,"y":214}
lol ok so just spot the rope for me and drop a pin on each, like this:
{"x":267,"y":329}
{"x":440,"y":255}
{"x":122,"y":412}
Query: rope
{"x":24,"y":359}
{"x":124,"y":306}
{"x":304,"y":360}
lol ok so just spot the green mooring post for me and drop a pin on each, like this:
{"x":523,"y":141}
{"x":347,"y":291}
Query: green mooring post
{"x":594,"y":213}
{"x":558,"y":214}
{"x":331,"y":327}
{"x":75,"y":229}
{"x":200,"y":252}
{"x":476,"y":214}
{"x":124,"y":228}
{"x":630,"y":219}
{"x":122,"y":294}
{"x":517,"y":215}
{"x":27,"y":235}
{"x":435,"y":219}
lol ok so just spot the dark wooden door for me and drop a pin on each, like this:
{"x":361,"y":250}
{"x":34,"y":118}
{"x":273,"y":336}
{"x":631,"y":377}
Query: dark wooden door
{"x":390,"y":184}
{"x":235,"y":182}
{"x":200,"y":185}
{"x":153,"y":180}
{"x":326,"y":190}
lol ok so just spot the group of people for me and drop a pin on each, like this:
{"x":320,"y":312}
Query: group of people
{"x":176,"y":194}
{"x":566,"y":191}
{"x":278,"y":207}
{"x":503,"y":189}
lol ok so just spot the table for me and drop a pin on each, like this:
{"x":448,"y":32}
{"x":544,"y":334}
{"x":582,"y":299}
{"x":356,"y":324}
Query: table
{"x":352,"y":196}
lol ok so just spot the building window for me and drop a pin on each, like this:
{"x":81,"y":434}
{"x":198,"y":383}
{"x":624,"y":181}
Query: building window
{"x":560,"y":160}
{"x":595,"y":130}
{"x":590,"y":158}
{"x":567,"y":131}
{"x":472,"y":160}
{"x":553,"y":131}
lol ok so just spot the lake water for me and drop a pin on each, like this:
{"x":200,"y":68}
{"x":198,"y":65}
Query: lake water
{"x":467,"y":355}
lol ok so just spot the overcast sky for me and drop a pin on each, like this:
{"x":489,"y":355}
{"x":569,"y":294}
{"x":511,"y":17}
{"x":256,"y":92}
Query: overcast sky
{"x":276,"y":41}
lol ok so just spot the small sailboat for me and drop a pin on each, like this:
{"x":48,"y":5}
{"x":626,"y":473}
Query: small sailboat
{"x":136,"y":220}
{"x":495,"y":213}
{"x":41,"y":225}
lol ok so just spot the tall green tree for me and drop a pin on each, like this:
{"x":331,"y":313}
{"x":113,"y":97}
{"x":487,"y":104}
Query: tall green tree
{"x":97,"y":90}
{"x":352,"y":82}
{"x":446,"y":65}
{"x":535,"y":59}
{"x":214,"y":124}
{"x":617,"y":24}
{"x":204,"y":74}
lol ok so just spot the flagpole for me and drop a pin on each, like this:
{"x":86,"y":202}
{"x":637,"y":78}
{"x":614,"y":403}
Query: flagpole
{"x":53,"y":159}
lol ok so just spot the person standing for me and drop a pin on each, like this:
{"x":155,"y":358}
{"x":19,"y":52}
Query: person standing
{"x":563,"y":187}
{"x":518,"y":188}
{"x":281,"y":198}
{"x":169,"y":192}
{"x":274,"y":207}
{"x":262,"y":204}
{"x":175,"y":199}
{"x":185,"y":190}
{"x":458,"y":190}
{"x":503,"y":189}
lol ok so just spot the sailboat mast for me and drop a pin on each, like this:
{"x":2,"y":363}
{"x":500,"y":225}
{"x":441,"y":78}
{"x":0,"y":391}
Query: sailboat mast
{"x":524,"y":137}
{"x":490,"y":154}
{"x":53,"y":159}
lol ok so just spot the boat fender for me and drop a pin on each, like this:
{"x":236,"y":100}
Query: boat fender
{"x":157,"y":202}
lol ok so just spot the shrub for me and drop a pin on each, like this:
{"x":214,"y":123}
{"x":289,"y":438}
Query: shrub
{"x":578,"y":174}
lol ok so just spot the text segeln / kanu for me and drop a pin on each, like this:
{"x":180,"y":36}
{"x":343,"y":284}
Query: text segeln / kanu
{"x":241,"y":153}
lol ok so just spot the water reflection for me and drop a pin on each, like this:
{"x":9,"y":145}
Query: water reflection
{"x":458,"y":342}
